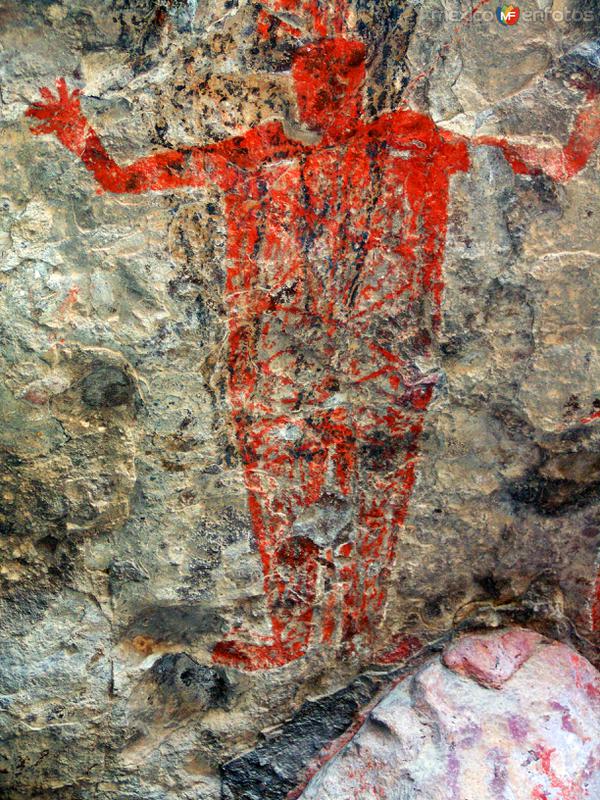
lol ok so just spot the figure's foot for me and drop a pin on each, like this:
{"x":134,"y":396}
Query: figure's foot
{"x":400,"y":649}
{"x":251,"y":657}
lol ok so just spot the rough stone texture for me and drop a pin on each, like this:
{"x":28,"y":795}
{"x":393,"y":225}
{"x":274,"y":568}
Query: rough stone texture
{"x":503,"y":715}
{"x":127,"y":549}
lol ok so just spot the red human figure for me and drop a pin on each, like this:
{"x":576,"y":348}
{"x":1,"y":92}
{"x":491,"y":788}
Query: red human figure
{"x":333,"y":292}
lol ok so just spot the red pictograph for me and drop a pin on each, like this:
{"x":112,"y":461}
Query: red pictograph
{"x":333,"y":290}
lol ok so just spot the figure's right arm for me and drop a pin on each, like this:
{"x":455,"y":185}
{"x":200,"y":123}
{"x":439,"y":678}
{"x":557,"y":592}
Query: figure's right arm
{"x":62,"y":116}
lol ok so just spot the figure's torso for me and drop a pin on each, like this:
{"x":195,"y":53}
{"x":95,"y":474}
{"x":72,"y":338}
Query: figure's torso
{"x":340,"y":248}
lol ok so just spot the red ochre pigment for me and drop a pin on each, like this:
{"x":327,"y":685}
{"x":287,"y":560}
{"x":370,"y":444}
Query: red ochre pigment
{"x":333,"y":291}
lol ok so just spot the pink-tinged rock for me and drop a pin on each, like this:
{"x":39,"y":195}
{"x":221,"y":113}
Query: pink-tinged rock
{"x":492,"y":658}
{"x":501,"y":716}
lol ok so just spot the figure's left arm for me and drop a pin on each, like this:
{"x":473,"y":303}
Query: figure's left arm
{"x":559,"y":163}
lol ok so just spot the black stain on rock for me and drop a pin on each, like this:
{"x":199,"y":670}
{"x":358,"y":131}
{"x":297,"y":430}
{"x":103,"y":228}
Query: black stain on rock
{"x":141,"y":22}
{"x":124,"y":572}
{"x":274,"y":51}
{"x":9,"y":480}
{"x":179,"y":678}
{"x":22,"y":609}
{"x":581,"y":64}
{"x":433,"y":608}
{"x":276,"y":766}
{"x":386,"y":26}
{"x":562,"y":483}
{"x":491,"y":585}
{"x":585,"y":16}
{"x":452,"y":346}
{"x":107,"y":387}
{"x":179,"y":623}
{"x":551,"y":497}
{"x":535,"y":196}
{"x":516,"y":427}
{"x":49,"y":503}
{"x":383,"y":452}
{"x":29,"y":508}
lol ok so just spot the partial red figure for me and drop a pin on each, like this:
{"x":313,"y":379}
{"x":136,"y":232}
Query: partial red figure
{"x":333,"y":290}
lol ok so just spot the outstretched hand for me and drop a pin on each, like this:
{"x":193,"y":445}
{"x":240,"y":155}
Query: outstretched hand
{"x":55,"y":113}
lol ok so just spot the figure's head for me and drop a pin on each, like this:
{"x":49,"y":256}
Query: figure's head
{"x":328,"y":75}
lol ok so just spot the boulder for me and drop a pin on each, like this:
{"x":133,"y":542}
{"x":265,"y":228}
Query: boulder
{"x":507,"y":715}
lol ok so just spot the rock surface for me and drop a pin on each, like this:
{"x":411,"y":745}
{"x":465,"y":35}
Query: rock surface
{"x":127,"y":546}
{"x":501,"y":716}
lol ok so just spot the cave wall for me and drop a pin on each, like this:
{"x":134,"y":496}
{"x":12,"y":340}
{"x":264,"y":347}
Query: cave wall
{"x":128,"y":548}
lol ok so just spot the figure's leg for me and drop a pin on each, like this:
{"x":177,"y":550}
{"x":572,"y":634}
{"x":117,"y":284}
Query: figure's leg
{"x":284,"y":463}
{"x":387,"y":451}
{"x":290,"y":589}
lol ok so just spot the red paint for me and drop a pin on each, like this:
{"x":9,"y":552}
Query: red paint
{"x":593,"y":691}
{"x":560,"y":790}
{"x":37,"y":398}
{"x":492,"y":661}
{"x":329,"y":752}
{"x":334,"y":289}
{"x":403,"y":647}
{"x":475,"y":8}
{"x":559,"y":163}
{"x":590,"y":418}
{"x":596,"y":605}
{"x":70,"y":300}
